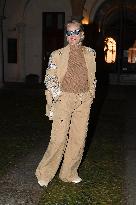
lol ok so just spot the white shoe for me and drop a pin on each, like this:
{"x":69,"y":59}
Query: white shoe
{"x":42,"y":183}
{"x":77,"y":180}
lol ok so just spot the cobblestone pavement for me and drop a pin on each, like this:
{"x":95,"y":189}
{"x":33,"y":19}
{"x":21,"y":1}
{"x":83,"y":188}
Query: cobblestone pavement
{"x":130,"y":144}
{"x":19,"y":185}
{"x":127,"y":95}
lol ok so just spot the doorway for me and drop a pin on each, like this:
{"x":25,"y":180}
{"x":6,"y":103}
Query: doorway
{"x":117,"y":21}
{"x":52,"y":35}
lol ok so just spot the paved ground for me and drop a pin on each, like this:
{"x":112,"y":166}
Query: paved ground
{"x":126,"y":94}
{"x":19,"y":185}
{"x":130,"y":144}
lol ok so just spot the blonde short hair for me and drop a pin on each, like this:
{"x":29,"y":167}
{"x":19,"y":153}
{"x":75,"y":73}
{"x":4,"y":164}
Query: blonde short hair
{"x":76,"y":23}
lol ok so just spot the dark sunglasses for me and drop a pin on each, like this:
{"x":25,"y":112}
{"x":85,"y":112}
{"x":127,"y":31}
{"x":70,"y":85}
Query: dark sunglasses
{"x":71,"y":33}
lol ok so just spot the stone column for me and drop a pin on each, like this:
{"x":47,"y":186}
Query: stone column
{"x":77,"y":9}
{"x":21,"y":50}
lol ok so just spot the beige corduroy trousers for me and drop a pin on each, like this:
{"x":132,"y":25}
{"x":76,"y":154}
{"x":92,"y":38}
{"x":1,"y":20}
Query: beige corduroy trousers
{"x":69,"y":130}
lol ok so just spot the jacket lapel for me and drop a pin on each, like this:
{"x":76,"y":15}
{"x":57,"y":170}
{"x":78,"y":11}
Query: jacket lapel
{"x":88,"y":63}
{"x":63,"y":62}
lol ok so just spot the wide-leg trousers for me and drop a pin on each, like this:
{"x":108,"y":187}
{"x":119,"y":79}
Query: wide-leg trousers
{"x":67,"y":141}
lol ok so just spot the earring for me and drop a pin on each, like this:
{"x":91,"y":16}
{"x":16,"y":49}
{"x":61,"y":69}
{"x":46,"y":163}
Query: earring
{"x":82,"y":37}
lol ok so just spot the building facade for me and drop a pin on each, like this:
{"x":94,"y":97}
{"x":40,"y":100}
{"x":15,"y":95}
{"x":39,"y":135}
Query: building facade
{"x":31,"y":29}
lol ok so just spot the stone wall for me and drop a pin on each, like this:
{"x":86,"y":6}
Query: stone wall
{"x":24,"y":22}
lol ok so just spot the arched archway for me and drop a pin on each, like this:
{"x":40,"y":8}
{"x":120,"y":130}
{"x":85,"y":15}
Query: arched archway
{"x":118,"y":20}
{"x":25,"y":6}
{"x":90,"y":8}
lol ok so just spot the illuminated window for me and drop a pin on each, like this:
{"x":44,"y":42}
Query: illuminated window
{"x":132,"y":54}
{"x":110,"y":50}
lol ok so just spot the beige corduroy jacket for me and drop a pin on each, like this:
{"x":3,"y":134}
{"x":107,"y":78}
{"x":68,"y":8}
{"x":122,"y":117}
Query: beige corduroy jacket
{"x":57,"y":67}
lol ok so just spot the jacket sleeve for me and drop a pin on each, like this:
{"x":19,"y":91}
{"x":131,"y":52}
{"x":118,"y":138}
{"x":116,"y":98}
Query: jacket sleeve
{"x":52,"y":85}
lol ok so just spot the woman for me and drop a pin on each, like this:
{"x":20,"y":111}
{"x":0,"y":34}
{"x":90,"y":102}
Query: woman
{"x":70,"y":82}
